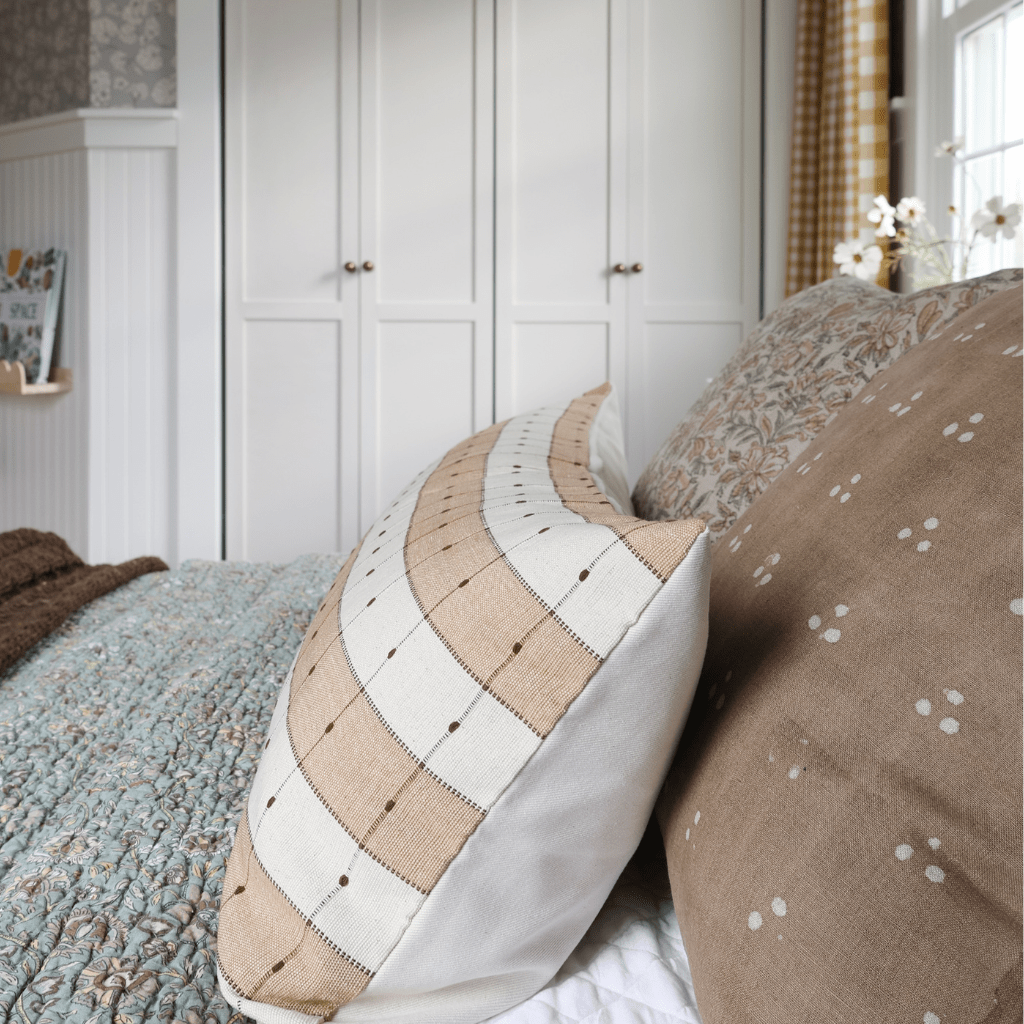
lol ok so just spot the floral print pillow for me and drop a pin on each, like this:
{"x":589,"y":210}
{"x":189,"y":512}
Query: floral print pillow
{"x":797,"y":368}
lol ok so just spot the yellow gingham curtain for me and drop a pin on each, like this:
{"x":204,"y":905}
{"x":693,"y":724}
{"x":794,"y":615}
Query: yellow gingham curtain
{"x":840,"y":155}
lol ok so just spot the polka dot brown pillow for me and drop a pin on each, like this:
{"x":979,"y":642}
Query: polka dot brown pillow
{"x":471,"y":740}
{"x":843,"y":824}
{"x":797,"y":369}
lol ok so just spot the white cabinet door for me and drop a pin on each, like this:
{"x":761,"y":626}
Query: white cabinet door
{"x":426,"y":213}
{"x":627,"y":133}
{"x":356,"y":134}
{"x":560,"y":191}
{"x":291,"y":206}
{"x":694,"y":204}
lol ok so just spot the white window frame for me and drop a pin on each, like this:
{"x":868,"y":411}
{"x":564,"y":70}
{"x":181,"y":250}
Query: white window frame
{"x":932,"y":45}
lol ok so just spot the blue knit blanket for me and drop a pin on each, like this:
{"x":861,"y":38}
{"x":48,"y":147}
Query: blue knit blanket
{"x":128,"y":740}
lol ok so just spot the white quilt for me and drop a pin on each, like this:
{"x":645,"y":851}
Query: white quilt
{"x":630,"y":967}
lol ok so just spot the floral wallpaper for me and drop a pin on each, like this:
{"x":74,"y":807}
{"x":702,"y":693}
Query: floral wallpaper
{"x":132,"y":53}
{"x":44,"y":57}
{"x":61,"y":54}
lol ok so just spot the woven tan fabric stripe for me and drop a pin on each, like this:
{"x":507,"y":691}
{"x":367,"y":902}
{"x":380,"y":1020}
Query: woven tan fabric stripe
{"x":658,"y":545}
{"x":250,"y":900}
{"x":503,"y":653}
{"x":538,"y":687}
{"x":840,"y":150}
{"x":358,"y":768}
{"x":328,"y":610}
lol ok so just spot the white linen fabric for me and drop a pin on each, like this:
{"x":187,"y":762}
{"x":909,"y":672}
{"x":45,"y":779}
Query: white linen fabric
{"x":608,"y":455}
{"x":629,"y":968}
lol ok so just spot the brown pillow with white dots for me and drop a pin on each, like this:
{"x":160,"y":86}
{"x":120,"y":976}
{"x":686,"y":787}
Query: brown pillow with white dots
{"x":843,"y":821}
{"x":470,"y":743}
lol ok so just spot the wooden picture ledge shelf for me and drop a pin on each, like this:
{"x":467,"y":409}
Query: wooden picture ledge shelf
{"x":12,"y":381}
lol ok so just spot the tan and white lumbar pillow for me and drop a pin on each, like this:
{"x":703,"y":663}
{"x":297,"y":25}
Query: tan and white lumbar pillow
{"x":472,"y":737}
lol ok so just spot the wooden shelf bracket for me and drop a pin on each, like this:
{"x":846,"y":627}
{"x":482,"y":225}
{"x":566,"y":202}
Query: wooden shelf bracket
{"x":13,"y":381}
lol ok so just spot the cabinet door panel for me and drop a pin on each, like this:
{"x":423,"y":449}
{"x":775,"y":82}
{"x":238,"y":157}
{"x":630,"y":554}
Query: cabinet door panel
{"x":426,"y":214}
{"x":288,"y":71}
{"x":290,"y":460}
{"x":693,"y":132}
{"x":680,"y":360}
{"x":554,"y":362}
{"x":694,"y":204}
{"x":560,"y":198}
{"x":426,"y":398}
{"x":291,"y":175}
{"x":559,"y":144}
{"x":426,"y":150}
{"x":493,"y":159}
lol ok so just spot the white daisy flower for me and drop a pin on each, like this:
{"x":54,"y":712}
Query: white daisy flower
{"x":910,"y":210}
{"x":853,"y":258}
{"x":883,"y":215}
{"x":995,"y":218}
{"x":950,"y":147}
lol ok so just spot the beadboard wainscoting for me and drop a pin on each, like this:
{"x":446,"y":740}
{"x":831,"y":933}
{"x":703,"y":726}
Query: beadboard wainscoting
{"x":97,"y":465}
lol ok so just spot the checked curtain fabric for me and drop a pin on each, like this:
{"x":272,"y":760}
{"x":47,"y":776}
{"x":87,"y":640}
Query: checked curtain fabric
{"x":840,"y":153}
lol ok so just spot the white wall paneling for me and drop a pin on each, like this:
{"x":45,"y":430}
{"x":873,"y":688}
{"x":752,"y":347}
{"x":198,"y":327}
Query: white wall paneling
{"x":95,"y":465}
{"x":131,"y":334}
{"x":44,"y":450}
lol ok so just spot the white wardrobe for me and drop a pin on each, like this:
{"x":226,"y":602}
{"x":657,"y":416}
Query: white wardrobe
{"x":443,"y":212}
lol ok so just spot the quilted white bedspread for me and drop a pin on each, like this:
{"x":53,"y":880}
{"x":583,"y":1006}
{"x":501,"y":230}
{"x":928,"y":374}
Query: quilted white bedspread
{"x":630,"y":967}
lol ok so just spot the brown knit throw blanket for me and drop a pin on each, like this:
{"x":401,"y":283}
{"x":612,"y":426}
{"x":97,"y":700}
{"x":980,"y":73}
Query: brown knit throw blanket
{"x":42,"y":581}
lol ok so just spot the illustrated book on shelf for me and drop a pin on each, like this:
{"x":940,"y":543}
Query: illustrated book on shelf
{"x":30,"y":290}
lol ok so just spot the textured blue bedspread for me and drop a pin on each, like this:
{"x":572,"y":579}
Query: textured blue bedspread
{"x":128,"y":739}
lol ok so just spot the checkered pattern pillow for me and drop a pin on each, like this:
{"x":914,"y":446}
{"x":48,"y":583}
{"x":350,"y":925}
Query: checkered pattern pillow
{"x":472,"y":736}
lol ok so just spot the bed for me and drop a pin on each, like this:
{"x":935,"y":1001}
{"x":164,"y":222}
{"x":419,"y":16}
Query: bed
{"x":129,"y":737}
{"x":129,"y":740}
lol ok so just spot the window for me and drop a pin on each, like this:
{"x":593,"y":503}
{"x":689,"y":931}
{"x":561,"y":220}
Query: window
{"x":967,"y":83}
{"x":990,"y":119}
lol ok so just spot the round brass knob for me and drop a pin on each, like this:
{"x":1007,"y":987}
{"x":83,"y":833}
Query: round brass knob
{"x":619,"y":268}
{"x":637,"y":267}
{"x":351,"y":268}
{"x":368,"y":265}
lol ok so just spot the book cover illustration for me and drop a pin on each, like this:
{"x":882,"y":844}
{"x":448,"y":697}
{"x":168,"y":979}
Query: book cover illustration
{"x":30,"y":291}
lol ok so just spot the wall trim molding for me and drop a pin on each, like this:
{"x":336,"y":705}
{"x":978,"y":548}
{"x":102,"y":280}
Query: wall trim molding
{"x":197,"y":526}
{"x":90,"y":128}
